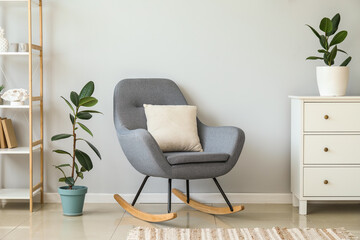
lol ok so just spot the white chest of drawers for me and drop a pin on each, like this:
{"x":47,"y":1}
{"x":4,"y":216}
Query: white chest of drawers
{"x":325,"y":149}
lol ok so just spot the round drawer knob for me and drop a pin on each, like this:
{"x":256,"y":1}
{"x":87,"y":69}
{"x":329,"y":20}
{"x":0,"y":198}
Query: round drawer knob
{"x":326,"y":182}
{"x":326,"y":117}
{"x":326,"y":149}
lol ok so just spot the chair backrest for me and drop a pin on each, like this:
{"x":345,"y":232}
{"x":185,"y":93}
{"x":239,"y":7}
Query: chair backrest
{"x":131,"y":94}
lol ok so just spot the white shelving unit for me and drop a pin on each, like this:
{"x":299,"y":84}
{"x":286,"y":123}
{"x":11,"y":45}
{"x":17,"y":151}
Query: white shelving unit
{"x":28,"y":193}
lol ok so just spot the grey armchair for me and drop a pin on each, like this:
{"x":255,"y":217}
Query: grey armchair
{"x":222,"y":145}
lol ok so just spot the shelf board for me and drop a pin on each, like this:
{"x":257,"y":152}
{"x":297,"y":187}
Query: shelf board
{"x":14,"y":53}
{"x":17,"y":150}
{"x":33,"y":1}
{"x":16,"y":193}
{"x":8,"y":106}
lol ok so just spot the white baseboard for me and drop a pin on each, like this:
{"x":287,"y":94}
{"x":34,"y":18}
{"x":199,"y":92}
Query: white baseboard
{"x":277,"y":198}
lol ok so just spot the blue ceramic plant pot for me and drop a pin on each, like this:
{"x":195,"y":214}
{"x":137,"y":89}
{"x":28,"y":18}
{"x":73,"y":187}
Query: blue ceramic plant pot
{"x":72,"y":199}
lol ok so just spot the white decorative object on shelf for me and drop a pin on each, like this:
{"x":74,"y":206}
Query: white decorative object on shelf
{"x":14,"y":47}
{"x":4,"y":44}
{"x":1,"y":88}
{"x":23,"y":47}
{"x":15,"y":96}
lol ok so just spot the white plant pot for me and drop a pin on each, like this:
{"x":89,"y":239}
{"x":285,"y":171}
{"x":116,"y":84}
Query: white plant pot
{"x":332,"y":81}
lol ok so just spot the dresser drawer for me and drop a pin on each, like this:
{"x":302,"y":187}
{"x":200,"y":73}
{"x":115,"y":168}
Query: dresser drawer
{"x":341,"y":182}
{"x":332,"y":117}
{"x":332,"y":149}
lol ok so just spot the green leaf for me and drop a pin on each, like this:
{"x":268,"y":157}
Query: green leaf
{"x":88,"y":101}
{"x":324,"y":42}
{"x":332,"y":55}
{"x":69,"y":104}
{"x":84,"y":159}
{"x":76,"y":166}
{"x":80,"y":174}
{"x":314,"y":31}
{"x":327,"y":59}
{"x":82,"y":169}
{"x":72,"y":119}
{"x":87,"y":90}
{"x":62,"y":179}
{"x":326,"y":26}
{"x":60,"y":136}
{"x":91,"y":111}
{"x":63,"y":165}
{"x":322,"y":51}
{"x":346,"y":62}
{"x":342,"y":51}
{"x":62,"y":152}
{"x":93,"y":148}
{"x":338,"y":38}
{"x":314,"y":58}
{"x":85,"y":128}
{"x":84,"y":116}
{"x":335,"y":24}
{"x":70,"y":181}
{"x":74,"y":98}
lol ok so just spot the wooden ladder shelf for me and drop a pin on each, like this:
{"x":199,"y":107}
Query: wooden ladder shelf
{"x":35,"y":50}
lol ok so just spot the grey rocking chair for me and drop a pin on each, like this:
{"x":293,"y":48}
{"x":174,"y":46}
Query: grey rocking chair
{"x":222,"y":146}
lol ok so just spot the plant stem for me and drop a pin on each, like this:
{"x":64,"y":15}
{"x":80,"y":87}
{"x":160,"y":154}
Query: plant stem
{"x":74,"y":147}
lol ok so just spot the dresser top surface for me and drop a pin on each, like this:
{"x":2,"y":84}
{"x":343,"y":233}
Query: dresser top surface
{"x":319,"y":98}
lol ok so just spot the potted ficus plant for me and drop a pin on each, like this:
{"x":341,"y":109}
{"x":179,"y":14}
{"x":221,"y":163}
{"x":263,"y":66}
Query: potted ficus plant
{"x":72,"y":196}
{"x":332,"y":80}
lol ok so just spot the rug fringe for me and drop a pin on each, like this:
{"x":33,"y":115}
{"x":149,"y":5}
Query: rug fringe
{"x":148,"y":233}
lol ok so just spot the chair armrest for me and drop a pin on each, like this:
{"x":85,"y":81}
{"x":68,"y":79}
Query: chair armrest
{"x":228,"y":140}
{"x":143,"y":152}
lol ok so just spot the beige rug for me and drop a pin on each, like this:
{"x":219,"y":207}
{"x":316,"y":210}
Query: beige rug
{"x":276,"y":233}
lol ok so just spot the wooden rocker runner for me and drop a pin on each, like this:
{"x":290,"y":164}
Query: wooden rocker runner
{"x":141,"y":215}
{"x":205,"y":208}
{"x":221,"y":146}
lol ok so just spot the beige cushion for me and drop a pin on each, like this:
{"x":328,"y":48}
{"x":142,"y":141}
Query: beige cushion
{"x":174,"y":127}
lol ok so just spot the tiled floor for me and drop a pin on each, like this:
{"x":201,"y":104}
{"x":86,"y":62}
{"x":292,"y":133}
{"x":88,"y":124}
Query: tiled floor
{"x":109,"y":221}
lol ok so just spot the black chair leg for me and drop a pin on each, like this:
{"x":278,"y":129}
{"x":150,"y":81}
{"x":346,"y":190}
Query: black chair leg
{"x":169,"y":197}
{"x":223,"y":194}
{"x":187,"y":191}
{"x":139,"y":191}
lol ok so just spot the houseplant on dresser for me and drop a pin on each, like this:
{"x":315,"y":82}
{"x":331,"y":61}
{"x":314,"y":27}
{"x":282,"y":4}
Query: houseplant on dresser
{"x":332,"y":80}
{"x":73,"y":196}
